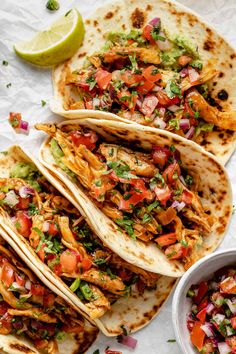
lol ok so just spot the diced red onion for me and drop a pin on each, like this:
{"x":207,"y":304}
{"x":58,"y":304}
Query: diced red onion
{"x":28,"y":284}
{"x":164,"y":45}
{"x":17,"y":287}
{"x":210,"y":307}
{"x":178,"y":205}
{"x":92,"y":135}
{"x":193,"y":75}
{"x":189,"y":133}
{"x":156,"y":88}
{"x":184,"y":72}
{"x":224,"y":348}
{"x":155,"y":21}
{"x":25,"y":191}
{"x":173,"y":108}
{"x":207,"y":328}
{"x":116,"y":75}
{"x":162,"y":111}
{"x":182,"y":180}
{"x":96,"y":102}
{"x":229,"y":331}
{"x":24,"y":127}
{"x":46,"y":226}
{"x":232,"y":306}
{"x":11,"y":199}
{"x":128,"y":341}
{"x":17,"y":325}
{"x":159,"y":123}
{"x":139,"y":103}
{"x":218,"y":318}
{"x":184,"y":124}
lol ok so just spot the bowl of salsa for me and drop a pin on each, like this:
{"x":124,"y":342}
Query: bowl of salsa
{"x":204,"y":306}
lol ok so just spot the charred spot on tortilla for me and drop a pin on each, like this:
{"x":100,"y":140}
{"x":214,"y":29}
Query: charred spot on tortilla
{"x":81,"y":55}
{"x":109,"y":15}
{"x":222,"y":95}
{"x":123,"y":26}
{"x":21,"y":348}
{"x":148,"y":7}
{"x":87,"y":22}
{"x":95,"y":23}
{"x":138,"y":18}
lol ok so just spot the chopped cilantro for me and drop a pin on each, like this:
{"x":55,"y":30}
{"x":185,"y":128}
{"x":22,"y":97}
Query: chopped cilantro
{"x":52,"y":5}
{"x":171,"y":341}
{"x":98,"y":183}
{"x":189,"y":180}
{"x":111,"y":275}
{"x":184,"y":243}
{"x":8,"y":85}
{"x":172,"y":89}
{"x":146,"y":218}
{"x":153,"y":206}
{"x":172,"y":148}
{"x":127,"y":224}
{"x":100,"y":261}
{"x":5,"y":63}
{"x":61,"y":335}
{"x":197,"y":64}
{"x":43,"y":103}
{"x":133,"y":61}
{"x":111,"y":152}
{"x":97,"y":351}
{"x":33,"y":209}
{"x":174,"y":123}
{"x":75,"y":285}
{"x":87,"y":291}
{"x":92,"y":82}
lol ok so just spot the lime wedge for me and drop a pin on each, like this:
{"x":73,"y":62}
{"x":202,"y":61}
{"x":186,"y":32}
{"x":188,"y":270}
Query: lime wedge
{"x":55,"y":44}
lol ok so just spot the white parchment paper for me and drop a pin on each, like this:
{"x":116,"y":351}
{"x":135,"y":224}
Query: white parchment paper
{"x":19,"y":19}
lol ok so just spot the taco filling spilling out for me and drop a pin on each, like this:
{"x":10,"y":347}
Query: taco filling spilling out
{"x":61,"y":238}
{"x":149,"y":196}
{"x":149,"y":78}
{"x":29,"y":309}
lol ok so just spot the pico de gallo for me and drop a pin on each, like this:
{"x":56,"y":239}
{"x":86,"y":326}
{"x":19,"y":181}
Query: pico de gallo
{"x":212,"y":321}
{"x":148,"y":195}
{"x":28,"y":308}
{"x":149,"y":78}
{"x":63,"y":241}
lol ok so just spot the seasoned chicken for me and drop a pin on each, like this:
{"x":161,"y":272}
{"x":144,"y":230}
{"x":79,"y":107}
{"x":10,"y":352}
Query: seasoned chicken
{"x":99,"y":304}
{"x":37,"y":226}
{"x":223,"y":120}
{"x":103,"y":280}
{"x":61,"y":203}
{"x":206,"y":75}
{"x":34,"y":312}
{"x":199,"y":220}
{"x":137,"y":161}
{"x":148,"y":55}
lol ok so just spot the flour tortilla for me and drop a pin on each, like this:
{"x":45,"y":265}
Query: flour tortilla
{"x":72,"y":344}
{"x":214,"y":189}
{"x":134,"y":312}
{"x":177,"y":19}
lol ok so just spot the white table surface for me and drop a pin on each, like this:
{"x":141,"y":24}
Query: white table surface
{"x":18,"y":20}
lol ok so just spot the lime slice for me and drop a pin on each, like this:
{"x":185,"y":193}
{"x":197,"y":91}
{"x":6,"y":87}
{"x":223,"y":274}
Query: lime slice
{"x":55,"y":44}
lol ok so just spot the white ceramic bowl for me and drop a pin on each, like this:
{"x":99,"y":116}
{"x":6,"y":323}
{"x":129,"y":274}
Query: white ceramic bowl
{"x":202,"y":270}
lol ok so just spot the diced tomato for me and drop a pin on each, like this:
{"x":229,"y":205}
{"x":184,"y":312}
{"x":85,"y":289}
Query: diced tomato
{"x":186,"y":197}
{"x":184,"y":60}
{"x":86,"y":264}
{"x":41,"y":343}
{"x":89,"y":104}
{"x":231,"y":341}
{"x":203,"y":304}
{"x":37,"y":289}
{"x":57,"y":269}
{"x":171,"y":173}
{"x":162,"y":194}
{"x":233,"y":322}
{"x":20,"y":281}
{"x":134,"y":199}
{"x":7,"y":276}
{"x":193,"y":75}
{"x":129,"y":78}
{"x":147,"y":33}
{"x":145,"y":87}
{"x":48,"y":300}
{"x":41,"y":253}
{"x":165,"y":101}
{"x":15,"y":119}
{"x":6,"y":323}
{"x":176,"y":251}
{"x":202,"y":315}
{"x":53,"y":229}
{"x":160,"y":155}
{"x":23,"y":203}
{"x":3,"y":307}
{"x":130,"y":100}
{"x":68,"y":260}
{"x":166,"y":240}
{"x":151,"y":74}
{"x":23,"y":223}
{"x":228,"y":286}
{"x":202,"y":290}
{"x":88,"y":139}
{"x":103,"y":78}
{"x":197,"y":335}
{"x":149,"y":104}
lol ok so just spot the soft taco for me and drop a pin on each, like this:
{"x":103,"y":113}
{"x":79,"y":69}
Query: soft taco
{"x":33,"y":319}
{"x":159,"y":201}
{"x":161,"y":66}
{"x":55,"y":236}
